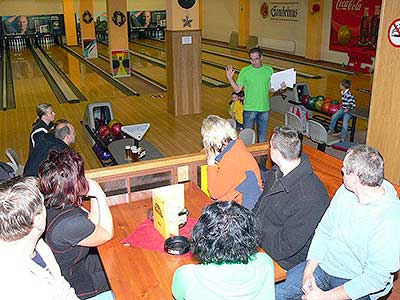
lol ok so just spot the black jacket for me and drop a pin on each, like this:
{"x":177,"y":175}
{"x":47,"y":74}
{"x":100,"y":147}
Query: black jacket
{"x":39,"y":131}
{"x":288,"y":211}
{"x":40,"y":152}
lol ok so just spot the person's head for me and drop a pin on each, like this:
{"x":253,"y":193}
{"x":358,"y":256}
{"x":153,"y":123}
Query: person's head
{"x":237,"y":96}
{"x":345,"y":84}
{"x":21,"y":210}
{"x":23,"y":24}
{"x":62,"y":179}
{"x":65,"y":131}
{"x":44,"y":111}
{"x":256,"y":56}
{"x":217,"y":133}
{"x":226,"y":232}
{"x":285,"y":144}
{"x":146,"y":17}
{"x":363,"y":164}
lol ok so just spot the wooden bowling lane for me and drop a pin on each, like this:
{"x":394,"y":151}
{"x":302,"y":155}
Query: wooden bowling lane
{"x":328,"y":85}
{"x":149,"y":69}
{"x":134,"y":82}
{"x":207,"y":70}
{"x":92,"y":85}
{"x":30,"y":85}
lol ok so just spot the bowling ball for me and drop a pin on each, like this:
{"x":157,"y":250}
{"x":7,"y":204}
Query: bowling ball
{"x":327,"y":100}
{"x":104,"y":131}
{"x":325,"y":107}
{"x":97,"y":148}
{"x":108,"y":139}
{"x":305,"y":99}
{"x":318,"y":104}
{"x":333,"y":108}
{"x":320,"y":98}
{"x":98,"y":122}
{"x":104,"y":155}
{"x":312,"y":101}
{"x":112,"y":122}
{"x":116,"y":129}
{"x":344,"y":35}
{"x":335,"y":102}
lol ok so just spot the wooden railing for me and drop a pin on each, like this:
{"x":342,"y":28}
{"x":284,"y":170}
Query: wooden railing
{"x":119,"y":181}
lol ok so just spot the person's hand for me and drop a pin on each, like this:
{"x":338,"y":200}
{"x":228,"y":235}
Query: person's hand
{"x":229,"y":71}
{"x":283,"y":86}
{"x":346,"y":110}
{"x":211,"y":158}
{"x":315,"y":294}
{"x":308,"y":283}
{"x":95,"y":189}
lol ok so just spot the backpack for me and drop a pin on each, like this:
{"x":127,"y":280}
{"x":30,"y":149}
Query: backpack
{"x":6,"y":172}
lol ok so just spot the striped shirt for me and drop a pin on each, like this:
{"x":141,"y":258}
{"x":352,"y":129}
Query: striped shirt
{"x":348,"y":100}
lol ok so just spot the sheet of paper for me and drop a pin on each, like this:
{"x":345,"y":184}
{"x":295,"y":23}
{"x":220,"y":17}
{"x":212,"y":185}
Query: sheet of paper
{"x":288,"y":76}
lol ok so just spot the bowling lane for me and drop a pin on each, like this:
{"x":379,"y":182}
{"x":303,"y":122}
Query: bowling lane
{"x":134,"y":82}
{"x":207,"y":70}
{"x":151,"y":70}
{"x":92,"y":85}
{"x":30,"y":85}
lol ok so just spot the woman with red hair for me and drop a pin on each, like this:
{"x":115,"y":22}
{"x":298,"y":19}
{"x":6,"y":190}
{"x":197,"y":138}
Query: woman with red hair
{"x":72,"y":232}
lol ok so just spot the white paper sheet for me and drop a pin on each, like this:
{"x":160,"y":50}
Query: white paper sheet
{"x":288,"y":76}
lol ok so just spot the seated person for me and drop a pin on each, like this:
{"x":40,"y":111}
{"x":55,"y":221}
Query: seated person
{"x":63,"y":136}
{"x":356,"y":248}
{"x":28,"y":267}
{"x":224,"y":240}
{"x":72,"y":232}
{"x":293,"y":202}
{"x":233,"y":173}
{"x":43,"y":124}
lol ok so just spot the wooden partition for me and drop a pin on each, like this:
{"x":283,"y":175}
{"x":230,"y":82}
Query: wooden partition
{"x":314,"y":30}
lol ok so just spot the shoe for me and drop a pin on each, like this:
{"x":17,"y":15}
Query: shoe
{"x":330,"y":131}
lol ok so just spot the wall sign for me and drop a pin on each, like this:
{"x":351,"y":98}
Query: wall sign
{"x":284,"y":11}
{"x":394,"y":33}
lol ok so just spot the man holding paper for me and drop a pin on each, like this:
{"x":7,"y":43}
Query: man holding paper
{"x":255,"y":79}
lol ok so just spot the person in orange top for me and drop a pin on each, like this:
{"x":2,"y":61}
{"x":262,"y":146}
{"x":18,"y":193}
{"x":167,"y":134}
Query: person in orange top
{"x":233,"y":173}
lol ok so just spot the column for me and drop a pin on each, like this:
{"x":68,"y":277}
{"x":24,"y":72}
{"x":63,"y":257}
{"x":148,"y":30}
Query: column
{"x":183,"y":50}
{"x":314,"y":29}
{"x":244,"y":20}
{"x":118,"y":38}
{"x":88,"y":36}
{"x":69,"y":22}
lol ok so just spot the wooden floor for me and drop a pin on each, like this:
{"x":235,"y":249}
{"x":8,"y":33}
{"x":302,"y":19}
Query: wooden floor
{"x":171,"y":135}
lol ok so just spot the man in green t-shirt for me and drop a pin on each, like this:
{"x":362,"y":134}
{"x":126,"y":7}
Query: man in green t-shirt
{"x":255,"y":79}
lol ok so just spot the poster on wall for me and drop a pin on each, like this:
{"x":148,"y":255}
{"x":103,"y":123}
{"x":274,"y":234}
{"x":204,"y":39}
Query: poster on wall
{"x":354,"y":24}
{"x":148,"y":19}
{"x":22,"y":24}
{"x":120,"y":63}
{"x":90,"y":48}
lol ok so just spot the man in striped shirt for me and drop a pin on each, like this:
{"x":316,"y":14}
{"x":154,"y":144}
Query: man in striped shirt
{"x":348,"y":104}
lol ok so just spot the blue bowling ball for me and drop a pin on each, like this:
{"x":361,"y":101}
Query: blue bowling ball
{"x":104,"y":155}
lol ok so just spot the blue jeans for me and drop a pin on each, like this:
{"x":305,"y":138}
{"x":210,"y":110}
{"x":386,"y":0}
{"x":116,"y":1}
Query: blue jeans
{"x":262,"y":118}
{"x":346,"y":118}
{"x":290,"y":289}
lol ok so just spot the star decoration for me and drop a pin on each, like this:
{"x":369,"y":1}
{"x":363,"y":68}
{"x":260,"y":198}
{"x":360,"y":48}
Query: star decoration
{"x":187,"y":22}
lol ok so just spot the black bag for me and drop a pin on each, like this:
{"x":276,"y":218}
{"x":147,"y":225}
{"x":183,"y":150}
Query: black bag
{"x":6,"y":172}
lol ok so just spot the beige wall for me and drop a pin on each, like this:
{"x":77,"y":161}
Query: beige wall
{"x":100,"y":5}
{"x":32,"y":7}
{"x":220,"y":18}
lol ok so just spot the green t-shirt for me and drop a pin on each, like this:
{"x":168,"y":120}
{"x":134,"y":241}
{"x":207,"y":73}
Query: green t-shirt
{"x":256,"y":87}
{"x":252,"y":281}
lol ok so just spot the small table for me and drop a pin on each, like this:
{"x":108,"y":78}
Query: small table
{"x":136,"y":273}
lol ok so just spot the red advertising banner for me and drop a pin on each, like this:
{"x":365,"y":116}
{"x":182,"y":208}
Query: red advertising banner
{"x":354,"y":24}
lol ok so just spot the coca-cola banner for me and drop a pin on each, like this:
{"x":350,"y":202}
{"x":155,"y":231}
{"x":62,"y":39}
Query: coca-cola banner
{"x":354,"y":24}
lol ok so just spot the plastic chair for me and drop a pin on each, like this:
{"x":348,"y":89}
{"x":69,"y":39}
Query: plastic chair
{"x":317,"y":133}
{"x":14,"y":161}
{"x":232,"y":122}
{"x":294,"y":122}
{"x":248,"y":136}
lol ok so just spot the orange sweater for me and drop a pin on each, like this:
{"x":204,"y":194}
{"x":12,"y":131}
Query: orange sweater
{"x":235,"y":176}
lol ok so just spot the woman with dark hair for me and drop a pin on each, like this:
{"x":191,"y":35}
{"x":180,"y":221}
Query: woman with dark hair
{"x":43,"y":124}
{"x":72,"y":232}
{"x":225,"y":240}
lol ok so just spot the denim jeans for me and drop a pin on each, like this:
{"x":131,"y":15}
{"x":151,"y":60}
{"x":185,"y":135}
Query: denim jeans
{"x":346,"y":118}
{"x":290,"y":289}
{"x":262,"y":118}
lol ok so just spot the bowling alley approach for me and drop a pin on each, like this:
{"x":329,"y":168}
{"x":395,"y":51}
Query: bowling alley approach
{"x":171,"y":149}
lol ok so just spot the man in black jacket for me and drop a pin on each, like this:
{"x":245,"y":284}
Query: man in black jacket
{"x":63,"y":136}
{"x":293,"y":202}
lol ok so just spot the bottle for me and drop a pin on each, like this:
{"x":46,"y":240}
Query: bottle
{"x":373,"y":35}
{"x":135,"y":154}
{"x":364,"y":28}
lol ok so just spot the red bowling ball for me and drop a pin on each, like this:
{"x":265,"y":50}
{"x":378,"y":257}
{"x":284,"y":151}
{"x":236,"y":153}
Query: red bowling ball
{"x":333,"y":108}
{"x":116,"y":129}
{"x":325,"y":107}
{"x":104,"y":131}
